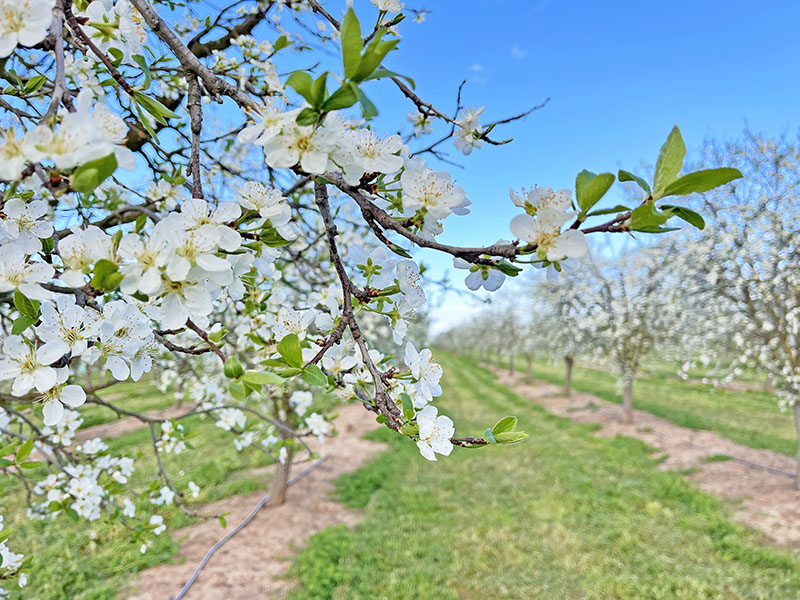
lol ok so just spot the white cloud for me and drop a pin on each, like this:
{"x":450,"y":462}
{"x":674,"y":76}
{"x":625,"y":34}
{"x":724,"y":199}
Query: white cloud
{"x":517,"y":52}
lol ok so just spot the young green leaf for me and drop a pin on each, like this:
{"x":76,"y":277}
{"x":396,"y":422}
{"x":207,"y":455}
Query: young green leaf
{"x":368,"y":109}
{"x":686,"y":214}
{"x":106,"y":276}
{"x":504,"y":425}
{"x":21,"y":323}
{"x":628,"y":176}
{"x":701,"y":181}
{"x":314,"y":376}
{"x":90,"y":175}
{"x":670,"y":161}
{"x":373,"y":56}
{"x":608,"y":211}
{"x":25,"y":306}
{"x":262,"y":378}
{"x":24,"y":451}
{"x":160,"y":112}
{"x":307,"y":116}
{"x":646,"y":217}
{"x":289,"y":349}
{"x":301,"y":82}
{"x":511,"y":437}
{"x":590,"y":188}
{"x":352,"y":44}
{"x":344,"y":97}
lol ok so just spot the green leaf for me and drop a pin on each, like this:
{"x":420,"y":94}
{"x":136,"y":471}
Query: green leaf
{"x":307,"y":116}
{"x":222,"y":520}
{"x":511,"y":437}
{"x":344,"y":97}
{"x":408,"y":407}
{"x":507,"y":268}
{"x":26,"y":306}
{"x":262,"y":378}
{"x":607,"y":211}
{"x":21,"y":323}
{"x":238,"y":391}
{"x":289,"y":349}
{"x":319,"y":90}
{"x":148,"y":77}
{"x":670,"y":161}
{"x":368,"y":109}
{"x":352,"y":44}
{"x":24,"y":451}
{"x":628,"y":176}
{"x":686,"y":214}
{"x":380,"y":73}
{"x":589,"y":188}
{"x":272,"y":238}
{"x":146,"y":124}
{"x":373,"y":56}
{"x":33,"y":84}
{"x":314,"y":376}
{"x":647,"y":217}
{"x":505,"y":424}
{"x":106,"y":276}
{"x":301,"y":82}
{"x":31,"y":464}
{"x":280,"y":44}
{"x":233,"y":368}
{"x":90,"y":175}
{"x":701,"y":181}
{"x":9,"y":449}
{"x":160,"y":112}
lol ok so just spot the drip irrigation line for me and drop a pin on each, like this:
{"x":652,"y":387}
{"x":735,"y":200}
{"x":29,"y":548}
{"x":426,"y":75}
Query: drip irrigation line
{"x":241,"y":526}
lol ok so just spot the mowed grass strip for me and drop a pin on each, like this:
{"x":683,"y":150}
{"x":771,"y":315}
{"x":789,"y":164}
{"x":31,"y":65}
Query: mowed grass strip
{"x":83,"y":560}
{"x":749,"y":417}
{"x":564,"y":515}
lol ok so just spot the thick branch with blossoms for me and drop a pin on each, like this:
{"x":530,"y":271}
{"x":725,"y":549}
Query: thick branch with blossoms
{"x":174,"y":210}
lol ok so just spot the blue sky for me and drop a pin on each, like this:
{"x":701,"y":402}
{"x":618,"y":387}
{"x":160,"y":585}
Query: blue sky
{"x":619,"y":74}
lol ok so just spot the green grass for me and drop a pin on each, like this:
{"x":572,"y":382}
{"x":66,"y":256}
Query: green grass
{"x":140,"y":396}
{"x":83,"y":560}
{"x":748,"y":417}
{"x":565,"y":515}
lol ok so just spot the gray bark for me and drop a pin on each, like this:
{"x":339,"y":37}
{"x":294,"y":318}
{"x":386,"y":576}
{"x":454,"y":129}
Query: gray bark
{"x":568,"y":376}
{"x":627,"y":400}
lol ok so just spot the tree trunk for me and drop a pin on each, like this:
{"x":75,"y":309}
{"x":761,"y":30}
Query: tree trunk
{"x":511,"y":363}
{"x":530,"y":367}
{"x":280,"y":480}
{"x":499,"y":359}
{"x":627,"y":400}
{"x":179,"y":394}
{"x":796,"y":410}
{"x":568,"y":376}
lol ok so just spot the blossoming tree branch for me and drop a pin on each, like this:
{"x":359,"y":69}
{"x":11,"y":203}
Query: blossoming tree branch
{"x":181,"y":202}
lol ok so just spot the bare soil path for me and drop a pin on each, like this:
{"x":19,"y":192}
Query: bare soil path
{"x":251,"y":565}
{"x":765,"y":498}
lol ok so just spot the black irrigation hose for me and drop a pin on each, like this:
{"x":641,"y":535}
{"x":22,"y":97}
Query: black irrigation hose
{"x":241,"y":526}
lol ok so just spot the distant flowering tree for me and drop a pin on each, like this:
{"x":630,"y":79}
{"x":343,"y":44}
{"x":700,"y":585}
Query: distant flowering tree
{"x":168,"y":197}
{"x":744,"y":273}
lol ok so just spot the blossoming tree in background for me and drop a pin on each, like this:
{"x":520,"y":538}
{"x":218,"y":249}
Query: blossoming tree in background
{"x":743,"y":273}
{"x":169,"y":199}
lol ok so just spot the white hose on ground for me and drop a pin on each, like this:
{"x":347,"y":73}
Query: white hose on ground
{"x":242,"y":525}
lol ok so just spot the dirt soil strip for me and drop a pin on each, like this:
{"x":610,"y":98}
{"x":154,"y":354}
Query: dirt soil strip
{"x":251,"y":565}
{"x":767,"y":501}
{"x":127,"y":424}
